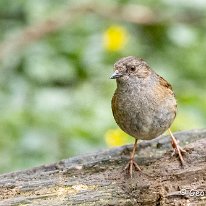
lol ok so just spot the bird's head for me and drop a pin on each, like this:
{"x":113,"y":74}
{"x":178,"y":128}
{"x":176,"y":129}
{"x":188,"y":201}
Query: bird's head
{"x":130,"y":68}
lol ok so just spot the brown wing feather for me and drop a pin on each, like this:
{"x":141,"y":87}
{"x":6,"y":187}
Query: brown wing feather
{"x":165,"y":83}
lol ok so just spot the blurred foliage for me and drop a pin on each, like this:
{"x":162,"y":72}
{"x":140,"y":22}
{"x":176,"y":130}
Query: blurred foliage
{"x":55,"y":93}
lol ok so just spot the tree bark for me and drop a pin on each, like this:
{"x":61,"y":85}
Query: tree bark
{"x":99,"y":178}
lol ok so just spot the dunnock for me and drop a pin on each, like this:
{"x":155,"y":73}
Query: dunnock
{"x":143,"y":104}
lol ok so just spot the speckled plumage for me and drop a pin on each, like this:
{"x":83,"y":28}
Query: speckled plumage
{"x":143,"y":104}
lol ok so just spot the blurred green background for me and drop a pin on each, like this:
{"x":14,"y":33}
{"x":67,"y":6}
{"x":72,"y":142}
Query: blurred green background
{"x":56,"y":58}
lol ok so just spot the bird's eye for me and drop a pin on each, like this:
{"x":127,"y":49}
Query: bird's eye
{"x":132,"y":68}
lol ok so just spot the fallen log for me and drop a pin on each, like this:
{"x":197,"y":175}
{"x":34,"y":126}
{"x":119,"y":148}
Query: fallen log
{"x":99,"y":178}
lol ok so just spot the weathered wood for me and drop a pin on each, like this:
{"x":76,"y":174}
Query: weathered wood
{"x":99,"y":179}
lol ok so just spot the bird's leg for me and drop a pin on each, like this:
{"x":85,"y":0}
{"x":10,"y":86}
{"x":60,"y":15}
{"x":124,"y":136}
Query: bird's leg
{"x":132,"y":162}
{"x":177,"y":148}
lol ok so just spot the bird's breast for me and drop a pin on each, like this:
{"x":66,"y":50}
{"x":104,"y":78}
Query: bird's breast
{"x":141,"y":114}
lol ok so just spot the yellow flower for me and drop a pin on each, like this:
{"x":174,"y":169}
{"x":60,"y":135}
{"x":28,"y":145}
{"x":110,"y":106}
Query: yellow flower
{"x":116,"y":137}
{"x":115,"y":38}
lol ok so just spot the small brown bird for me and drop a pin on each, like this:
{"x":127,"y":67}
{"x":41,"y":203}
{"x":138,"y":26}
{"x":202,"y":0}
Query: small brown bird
{"x":143,"y":104}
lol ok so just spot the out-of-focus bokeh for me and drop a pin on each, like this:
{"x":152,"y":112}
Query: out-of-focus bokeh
{"x":56,"y":58}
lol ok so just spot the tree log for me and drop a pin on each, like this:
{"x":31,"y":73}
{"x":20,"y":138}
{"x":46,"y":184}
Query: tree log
{"x":99,"y":178}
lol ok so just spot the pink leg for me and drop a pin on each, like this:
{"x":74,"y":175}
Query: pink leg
{"x":132,"y":162}
{"x":177,"y":148}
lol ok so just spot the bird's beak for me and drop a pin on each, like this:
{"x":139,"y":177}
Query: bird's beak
{"x":116,"y":75}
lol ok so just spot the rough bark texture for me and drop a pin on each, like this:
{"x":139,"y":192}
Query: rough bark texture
{"x":99,"y":179}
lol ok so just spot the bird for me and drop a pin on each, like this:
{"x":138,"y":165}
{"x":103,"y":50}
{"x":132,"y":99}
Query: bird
{"x":143,"y":105}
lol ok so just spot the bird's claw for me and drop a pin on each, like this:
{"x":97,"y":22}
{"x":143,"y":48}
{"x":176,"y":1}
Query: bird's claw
{"x":130,"y":166}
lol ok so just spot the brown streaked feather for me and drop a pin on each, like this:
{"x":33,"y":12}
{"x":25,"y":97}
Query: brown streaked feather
{"x":167,"y":85}
{"x":164,"y":83}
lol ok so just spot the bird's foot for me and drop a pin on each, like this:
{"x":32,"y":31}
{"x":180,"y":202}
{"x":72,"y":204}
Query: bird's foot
{"x":178,"y":151}
{"x":130,"y":166}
